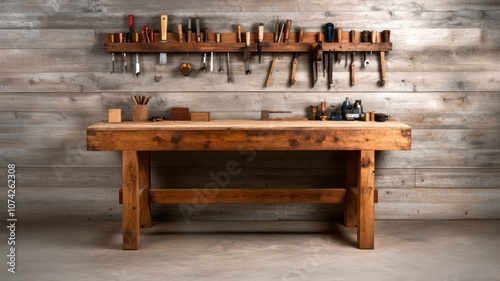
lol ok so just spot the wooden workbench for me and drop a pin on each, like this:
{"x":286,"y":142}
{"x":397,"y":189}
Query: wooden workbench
{"x":360,"y":139}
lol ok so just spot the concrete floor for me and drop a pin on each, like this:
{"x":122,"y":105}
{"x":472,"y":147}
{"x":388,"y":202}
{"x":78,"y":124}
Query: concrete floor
{"x":404,"y":250}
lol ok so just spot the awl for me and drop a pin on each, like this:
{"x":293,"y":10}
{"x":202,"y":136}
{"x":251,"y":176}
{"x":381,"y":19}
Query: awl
{"x":164,"y":23}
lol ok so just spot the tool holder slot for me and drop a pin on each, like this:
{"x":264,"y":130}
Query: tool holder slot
{"x":229,"y":43}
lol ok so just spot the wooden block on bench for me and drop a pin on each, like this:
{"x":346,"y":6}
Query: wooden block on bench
{"x":200,"y":116}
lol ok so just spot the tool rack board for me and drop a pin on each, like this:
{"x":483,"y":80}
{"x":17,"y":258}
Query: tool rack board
{"x":229,"y":43}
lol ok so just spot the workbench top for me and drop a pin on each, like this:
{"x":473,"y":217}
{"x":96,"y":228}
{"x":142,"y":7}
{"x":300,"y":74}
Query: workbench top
{"x":247,"y":124}
{"x":222,"y":135}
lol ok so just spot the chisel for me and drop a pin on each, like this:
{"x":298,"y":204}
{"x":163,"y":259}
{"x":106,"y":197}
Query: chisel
{"x":273,"y":63}
{"x":353,"y":54}
{"x":339,"y":39}
{"x":219,"y":57}
{"x":247,"y":54}
{"x":261,"y":38}
{"x":164,"y":23}
{"x":112,"y":55}
{"x":137,"y":66}
{"x":124,"y":55}
{"x":329,"y":39}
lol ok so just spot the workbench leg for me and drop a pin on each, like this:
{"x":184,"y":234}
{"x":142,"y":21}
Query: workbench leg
{"x":145,"y":185}
{"x":351,"y":181}
{"x":130,"y":186}
{"x":366,"y":200}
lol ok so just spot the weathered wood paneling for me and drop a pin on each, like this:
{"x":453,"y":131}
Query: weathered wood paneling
{"x":443,"y":80}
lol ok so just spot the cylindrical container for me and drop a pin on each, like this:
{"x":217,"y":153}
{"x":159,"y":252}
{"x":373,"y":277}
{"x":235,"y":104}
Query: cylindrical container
{"x":314,"y":112}
{"x":139,"y":112}
{"x":372,"y":116}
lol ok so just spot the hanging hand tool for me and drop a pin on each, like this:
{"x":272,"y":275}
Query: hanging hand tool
{"x":146,"y":32}
{"x":329,"y":38}
{"x":185,"y":67}
{"x":261,"y":38}
{"x":365,"y":37}
{"x":229,"y":79}
{"x":137,"y":66}
{"x":386,"y":38}
{"x":205,"y":39}
{"x":339,"y":39}
{"x":124,"y":55}
{"x":211,"y":53}
{"x":317,"y":58}
{"x":247,"y":53}
{"x":164,"y":23}
{"x":189,"y":31}
{"x":273,"y":62}
{"x":198,"y":33}
{"x":112,"y":55}
{"x":219,"y":57}
{"x":296,"y":56}
{"x":353,"y":54}
{"x":238,"y":31}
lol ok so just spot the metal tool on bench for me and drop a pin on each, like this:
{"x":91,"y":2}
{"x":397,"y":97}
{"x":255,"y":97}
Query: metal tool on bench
{"x":351,"y":112}
{"x":365,"y":37}
{"x":164,"y":23}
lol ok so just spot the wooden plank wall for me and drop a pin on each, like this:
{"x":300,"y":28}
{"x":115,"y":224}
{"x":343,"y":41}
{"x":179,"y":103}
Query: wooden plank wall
{"x":443,"y":80}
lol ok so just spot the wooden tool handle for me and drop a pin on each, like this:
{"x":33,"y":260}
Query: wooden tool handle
{"x":288,"y":26}
{"x":339,"y":34}
{"x":136,"y":37}
{"x":294,"y":69}
{"x":270,"y":75}
{"x":238,"y":28}
{"x":386,"y":36}
{"x":374,"y":36}
{"x":247,"y":39}
{"x":383,"y":79}
{"x":217,"y":37}
{"x":179,"y":30}
{"x":112,"y":39}
{"x":164,"y":23}
{"x":301,"y":34}
{"x":353,"y":36}
{"x":189,"y":34}
{"x":205,"y":35}
{"x":261,"y":32}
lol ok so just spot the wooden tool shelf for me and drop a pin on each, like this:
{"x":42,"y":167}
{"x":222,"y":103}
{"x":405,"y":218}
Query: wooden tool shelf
{"x":229,"y":43}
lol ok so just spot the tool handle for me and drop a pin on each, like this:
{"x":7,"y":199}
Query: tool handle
{"x":217,"y":37}
{"x":261,"y":32}
{"x":386,"y":36}
{"x":374,"y":36}
{"x":112,"y":39}
{"x":329,"y":32}
{"x":270,"y":75}
{"x":365,"y":36}
{"x":276,"y":31}
{"x":130,"y":23}
{"x":179,"y":30}
{"x":238,"y":29}
{"x":288,"y":26}
{"x":151,"y":35}
{"x":189,"y":34}
{"x":205,"y":35}
{"x":353,"y":35}
{"x":247,"y":39}
{"x":339,"y":34}
{"x":120,"y":37}
{"x":136,"y":37}
{"x":294,"y":69}
{"x":198,"y":38}
{"x":301,"y":34}
{"x":164,"y":23}
{"x":383,"y":79}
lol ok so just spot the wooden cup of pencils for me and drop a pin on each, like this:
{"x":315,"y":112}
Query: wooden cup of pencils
{"x":140,"y":108}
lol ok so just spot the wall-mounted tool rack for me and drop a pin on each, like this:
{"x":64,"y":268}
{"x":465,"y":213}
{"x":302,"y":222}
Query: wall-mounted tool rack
{"x":229,"y":43}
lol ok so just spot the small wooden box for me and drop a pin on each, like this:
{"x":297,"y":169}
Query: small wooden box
{"x":180,"y":114}
{"x":200,"y":116}
{"x":114,"y":115}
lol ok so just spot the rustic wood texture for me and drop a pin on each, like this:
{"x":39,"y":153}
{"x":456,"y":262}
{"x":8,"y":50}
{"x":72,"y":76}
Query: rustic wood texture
{"x":131,"y":200}
{"x":442,"y":79}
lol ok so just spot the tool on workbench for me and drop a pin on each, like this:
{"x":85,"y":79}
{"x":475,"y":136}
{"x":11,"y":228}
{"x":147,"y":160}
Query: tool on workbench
{"x":247,"y":53}
{"x":366,"y":38}
{"x":353,"y":54}
{"x":112,"y":39}
{"x":386,"y":38}
{"x":273,"y":62}
{"x":219,"y":57}
{"x":164,"y":39}
{"x":296,"y":57}
{"x":124,"y":55}
{"x":205,"y":39}
{"x":329,"y":39}
{"x":261,"y":38}
{"x":351,"y":112}
{"x":322,"y":113}
{"x":317,"y":58}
